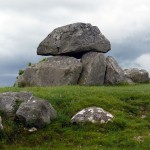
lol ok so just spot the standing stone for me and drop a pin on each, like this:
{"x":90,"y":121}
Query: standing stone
{"x":137,"y":75}
{"x":35,"y":112}
{"x":114,"y":73}
{"x":93,"y":115}
{"x":94,"y":67}
{"x":72,"y":39}
{"x":58,"y":70}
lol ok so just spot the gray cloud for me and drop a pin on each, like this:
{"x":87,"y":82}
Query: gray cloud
{"x":132,"y":47}
{"x":37,"y":5}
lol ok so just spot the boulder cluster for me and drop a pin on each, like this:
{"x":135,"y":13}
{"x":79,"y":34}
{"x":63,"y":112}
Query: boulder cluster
{"x":25,"y":108}
{"x":77,"y":57}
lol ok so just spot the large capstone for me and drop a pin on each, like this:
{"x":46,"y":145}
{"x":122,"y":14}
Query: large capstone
{"x":114,"y":73}
{"x":58,"y":70}
{"x":74,"y":39}
{"x":93,"y":115}
{"x":35,"y":112}
{"x":94,"y":67}
{"x":137,"y":75}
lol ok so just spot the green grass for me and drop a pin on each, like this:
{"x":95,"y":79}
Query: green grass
{"x":126,"y":103}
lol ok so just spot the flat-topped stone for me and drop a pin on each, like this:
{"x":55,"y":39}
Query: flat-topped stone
{"x":74,"y":39}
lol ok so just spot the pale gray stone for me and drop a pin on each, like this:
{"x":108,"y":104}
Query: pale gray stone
{"x":93,"y":115}
{"x":94,"y":68}
{"x":137,"y":75}
{"x":72,"y":39}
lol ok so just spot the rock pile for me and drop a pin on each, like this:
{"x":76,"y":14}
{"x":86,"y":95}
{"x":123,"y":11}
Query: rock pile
{"x":77,"y":58}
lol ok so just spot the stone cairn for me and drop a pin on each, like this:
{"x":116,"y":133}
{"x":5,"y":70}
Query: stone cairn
{"x":77,"y":57}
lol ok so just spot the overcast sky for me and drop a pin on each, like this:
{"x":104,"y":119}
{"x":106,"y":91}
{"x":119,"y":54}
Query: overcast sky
{"x":25,"y":23}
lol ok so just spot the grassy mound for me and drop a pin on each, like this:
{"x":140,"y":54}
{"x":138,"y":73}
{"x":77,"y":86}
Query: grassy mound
{"x":130,"y":129}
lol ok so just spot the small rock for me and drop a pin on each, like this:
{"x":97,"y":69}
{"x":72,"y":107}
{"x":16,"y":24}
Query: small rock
{"x":93,"y":115}
{"x":1,"y":125}
{"x":143,"y":116}
{"x":139,"y":138}
{"x":33,"y":129}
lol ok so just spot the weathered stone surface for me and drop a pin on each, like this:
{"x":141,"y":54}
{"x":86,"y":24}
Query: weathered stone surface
{"x":92,"y":114}
{"x":72,"y":39}
{"x":35,"y":112}
{"x":137,"y":75}
{"x":129,"y":81}
{"x":114,"y":73}
{"x":58,"y":70}
{"x":1,"y":125}
{"x":10,"y":101}
{"x":94,"y":67}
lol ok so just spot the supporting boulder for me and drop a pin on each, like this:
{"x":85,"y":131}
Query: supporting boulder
{"x":94,"y":67}
{"x":58,"y":70}
{"x":72,"y":39}
{"x":93,"y":115}
{"x":114,"y":73}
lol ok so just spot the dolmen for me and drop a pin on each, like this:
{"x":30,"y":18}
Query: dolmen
{"x":76,"y":56}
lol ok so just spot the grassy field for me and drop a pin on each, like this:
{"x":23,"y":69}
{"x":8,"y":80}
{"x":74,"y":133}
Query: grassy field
{"x":130,"y":129}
